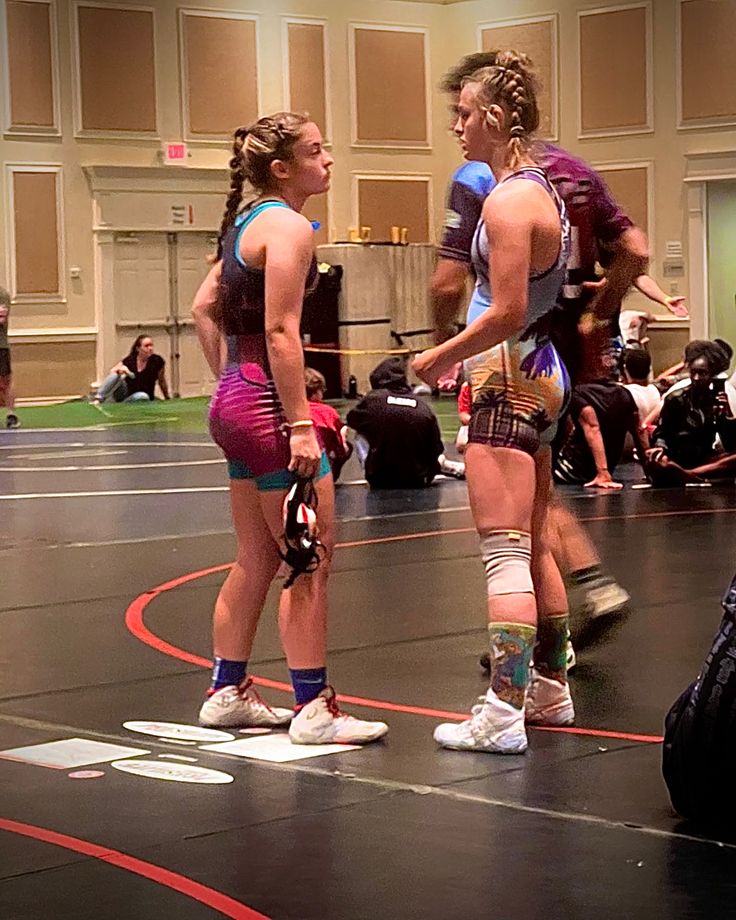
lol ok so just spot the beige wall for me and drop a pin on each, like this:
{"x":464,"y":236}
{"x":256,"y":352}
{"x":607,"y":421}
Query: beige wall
{"x":452,"y":31}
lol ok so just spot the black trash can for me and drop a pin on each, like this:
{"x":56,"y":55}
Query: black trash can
{"x":320,"y":328}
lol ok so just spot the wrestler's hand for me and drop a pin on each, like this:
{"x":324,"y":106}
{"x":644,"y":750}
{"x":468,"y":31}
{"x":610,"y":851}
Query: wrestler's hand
{"x":305,"y":452}
{"x":430,"y":365}
{"x":603,"y":480}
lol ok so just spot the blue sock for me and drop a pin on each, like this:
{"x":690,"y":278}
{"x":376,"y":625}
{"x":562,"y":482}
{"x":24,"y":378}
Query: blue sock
{"x":307,"y":683}
{"x":226,"y":673}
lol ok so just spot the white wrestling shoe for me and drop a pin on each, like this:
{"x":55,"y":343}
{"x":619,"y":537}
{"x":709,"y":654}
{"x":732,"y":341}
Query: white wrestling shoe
{"x":548,"y":702}
{"x":494,"y":727}
{"x":321,"y":721}
{"x":241,"y":707}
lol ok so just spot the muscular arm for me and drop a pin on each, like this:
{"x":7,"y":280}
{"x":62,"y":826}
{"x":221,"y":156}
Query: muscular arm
{"x":509,"y":219}
{"x":289,"y":249}
{"x":629,"y":262}
{"x":447,"y":293}
{"x":204,"y":313}
{"x":588,"y":421}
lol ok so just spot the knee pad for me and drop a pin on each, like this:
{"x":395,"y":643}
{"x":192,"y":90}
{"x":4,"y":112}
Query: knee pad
{"x":507,"y":557}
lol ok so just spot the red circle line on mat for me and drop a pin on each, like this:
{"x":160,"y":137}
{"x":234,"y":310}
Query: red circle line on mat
{"x":134,"y":621}
{"x":218,"y":901}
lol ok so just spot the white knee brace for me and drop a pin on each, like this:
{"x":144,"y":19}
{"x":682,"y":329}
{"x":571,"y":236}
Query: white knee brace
{"x":507,"y":557}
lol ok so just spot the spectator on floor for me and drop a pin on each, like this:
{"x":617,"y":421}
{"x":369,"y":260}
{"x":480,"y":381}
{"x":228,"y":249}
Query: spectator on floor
{"x":399,"y":440}
{"x":601,"y":414}
{"x":684,"y":444}
{"x":331,"y":430}
{"x":637,"y":371}
{"x":135,"y":377}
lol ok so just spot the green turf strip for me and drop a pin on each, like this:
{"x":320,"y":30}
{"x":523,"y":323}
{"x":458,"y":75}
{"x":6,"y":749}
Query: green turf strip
{"x":188,"y":416}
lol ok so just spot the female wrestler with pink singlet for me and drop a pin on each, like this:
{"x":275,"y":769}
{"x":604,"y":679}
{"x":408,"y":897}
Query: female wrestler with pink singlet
{"x":247,"y":314}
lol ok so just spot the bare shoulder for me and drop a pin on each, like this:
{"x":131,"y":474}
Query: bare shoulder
{"x":285,"y":220}
{"x":512,"y":203}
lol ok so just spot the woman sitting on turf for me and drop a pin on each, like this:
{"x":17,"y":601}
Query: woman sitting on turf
{"x":135,"y":377}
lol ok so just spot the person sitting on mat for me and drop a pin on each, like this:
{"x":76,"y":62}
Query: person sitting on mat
{"x":135,"y":377}
{"x":683,"y":446}
{"x":331,"y":430}
{"x":399,"y":441}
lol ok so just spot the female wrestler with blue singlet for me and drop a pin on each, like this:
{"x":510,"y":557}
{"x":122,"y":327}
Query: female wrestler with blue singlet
{"x":519,"y":388}
{"x":247,"y":314}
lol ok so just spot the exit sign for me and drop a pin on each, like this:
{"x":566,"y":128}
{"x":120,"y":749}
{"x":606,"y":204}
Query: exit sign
{"x":175,"y":154}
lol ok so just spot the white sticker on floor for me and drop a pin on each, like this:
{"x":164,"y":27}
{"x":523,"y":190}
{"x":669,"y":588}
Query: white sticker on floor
{"x":277,"y":748}
{"x":173,"y":772}
{"x":178,"y":732}
{"x":69,"y":753}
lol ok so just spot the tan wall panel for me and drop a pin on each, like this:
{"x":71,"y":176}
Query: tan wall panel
{"x":613,"y":70}
{"x":708,"y":61}
{"x":117,"y":69}
{"x":316,"y":209}
{"x":212,"y":45}
{"x":307,"y":90}
{"x":534,"y":39}
{"x":629,"y":189}
{"x":383,"y":203}
{"x":390,"y":59}
{"x":53,"y":368}
{"x":36,"y":244}
{"x":30,"y":64}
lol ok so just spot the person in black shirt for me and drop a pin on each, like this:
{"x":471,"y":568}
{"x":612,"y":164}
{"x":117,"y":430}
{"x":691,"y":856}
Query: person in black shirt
{"x":403,"y":436}
{"x":135,"y":377}
{"x":601,"y":414}
{"x":684,"y":442}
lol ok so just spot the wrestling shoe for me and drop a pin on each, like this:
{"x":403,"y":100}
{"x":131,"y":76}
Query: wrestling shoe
{"x":12,"y":421}
{"x":598,"y":608}
{"x":241,"y":707}
{"x":494,"y":727}
{"x":548,"y":702}
{"x":321,"y":721}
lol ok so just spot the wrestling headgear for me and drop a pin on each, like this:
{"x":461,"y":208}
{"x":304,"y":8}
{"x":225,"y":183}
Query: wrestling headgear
{"x":303,"y":551}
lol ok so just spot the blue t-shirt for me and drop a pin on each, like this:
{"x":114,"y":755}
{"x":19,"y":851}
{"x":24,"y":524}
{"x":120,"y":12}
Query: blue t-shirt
{"x":471,"y":184}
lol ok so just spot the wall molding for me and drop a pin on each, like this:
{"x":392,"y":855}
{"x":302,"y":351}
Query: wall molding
{"x":409,"y":146}
{"x":356,"y":177}
{"x":10,"y":170}
{"x":286,"y":21}
{"x":205,"y":13}
{"x":79,"y":130}
{"x":648,"y":128}
{"x":33,"y":131}
{"x":553,"y":18}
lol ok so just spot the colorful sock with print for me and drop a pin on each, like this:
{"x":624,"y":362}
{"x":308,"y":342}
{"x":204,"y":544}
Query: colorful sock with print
{"x":307,"y":683}
{"x":550,"y":651}
{"x":511,"y":651}
{"x":226,"y":673}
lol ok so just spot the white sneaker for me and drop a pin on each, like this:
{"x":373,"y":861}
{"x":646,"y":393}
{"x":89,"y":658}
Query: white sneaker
{"x":607,"y":598}
{"x":241,"y":707}
{"x":548,"y":702}
{"x":495,"y":727}
{"x":322,"y":722}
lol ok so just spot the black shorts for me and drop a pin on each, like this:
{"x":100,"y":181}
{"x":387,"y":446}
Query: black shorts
{"x":4,"y":362}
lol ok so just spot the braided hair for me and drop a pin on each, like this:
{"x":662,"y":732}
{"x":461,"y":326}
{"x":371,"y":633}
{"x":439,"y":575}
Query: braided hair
{"x":511,"y":83}
{"x":255,"y":148}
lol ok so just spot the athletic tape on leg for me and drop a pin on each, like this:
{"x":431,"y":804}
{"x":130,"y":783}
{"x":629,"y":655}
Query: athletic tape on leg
{"x":507,"y":557}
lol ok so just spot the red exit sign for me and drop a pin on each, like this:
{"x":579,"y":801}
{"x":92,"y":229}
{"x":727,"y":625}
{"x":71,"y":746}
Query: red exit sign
{"x":175,"y":154}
